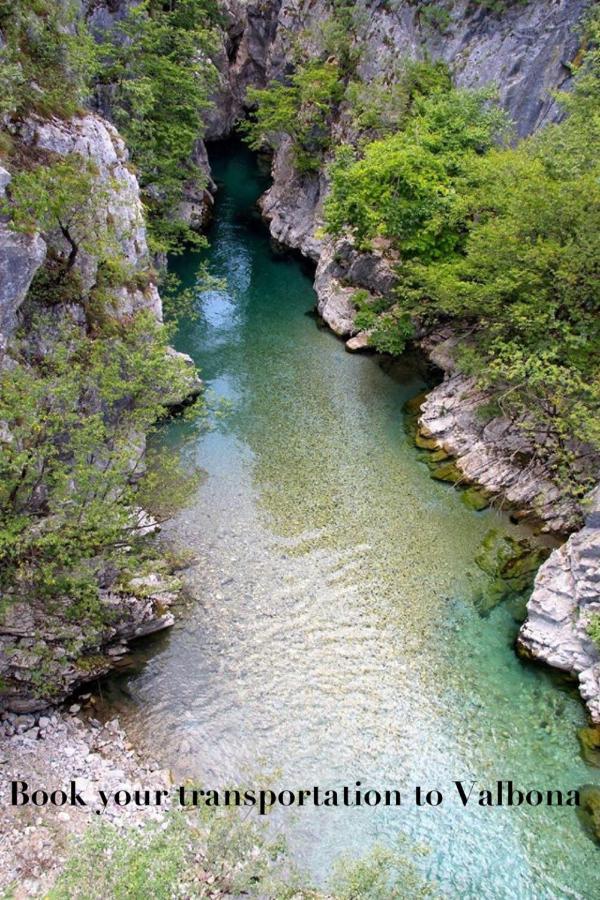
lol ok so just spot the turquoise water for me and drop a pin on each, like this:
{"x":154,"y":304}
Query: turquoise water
{"x":333,"y":634}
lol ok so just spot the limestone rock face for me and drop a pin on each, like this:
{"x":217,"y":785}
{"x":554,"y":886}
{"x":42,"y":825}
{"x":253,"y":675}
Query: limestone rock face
{"x":21,"y":255}
{"x":494,"y":454}
{"x":292,"y":206}
{"x":34,"y":639}
{"x":95,"y":139}
{"x":334,"y":299}
{"x":197,"y":205}
{"x":359,"y":343}
{"x":525,"y":50}
{"x":565,"y":594}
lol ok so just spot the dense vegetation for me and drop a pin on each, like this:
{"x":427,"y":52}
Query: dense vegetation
{"x":500,"y":241}
{"x":153,"y":72}
{"x":47,"y":58}
{"x":156,"y":72}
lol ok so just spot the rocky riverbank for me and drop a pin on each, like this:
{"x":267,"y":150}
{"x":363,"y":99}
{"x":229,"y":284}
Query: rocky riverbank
{"x":48,"y":750}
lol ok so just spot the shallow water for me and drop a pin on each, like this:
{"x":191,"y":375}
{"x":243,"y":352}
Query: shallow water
{"x":334,"y":635}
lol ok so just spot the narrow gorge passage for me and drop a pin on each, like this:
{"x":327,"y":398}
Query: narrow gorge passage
{"x":334,"y":635}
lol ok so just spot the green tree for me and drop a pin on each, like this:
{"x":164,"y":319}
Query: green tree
{"x":66,"y":197}
{"x":405,"y":186}
{"x":158,"y":74}
{"x":69,"y":462}
{"x":302,"y":110}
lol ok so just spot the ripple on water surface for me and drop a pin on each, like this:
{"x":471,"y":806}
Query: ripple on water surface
{"x":335,"y":637}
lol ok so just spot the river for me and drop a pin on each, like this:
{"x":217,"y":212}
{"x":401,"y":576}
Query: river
{"x":333,"y":634}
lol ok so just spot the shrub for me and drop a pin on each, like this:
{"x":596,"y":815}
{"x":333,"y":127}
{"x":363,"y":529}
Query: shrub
{"x":157,"y":69}
{"x":301,"y":109}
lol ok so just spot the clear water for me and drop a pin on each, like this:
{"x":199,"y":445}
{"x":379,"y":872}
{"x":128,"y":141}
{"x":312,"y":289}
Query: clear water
{"x":333,"y":636}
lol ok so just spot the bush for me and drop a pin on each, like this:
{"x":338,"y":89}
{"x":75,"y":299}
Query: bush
{"x":68,"y":471}
{"x":404,"y":188}
{"x":47,"y":58}
{"x":302,"y":110}
{"x":593,"y":628}
{"x":156,"y":66}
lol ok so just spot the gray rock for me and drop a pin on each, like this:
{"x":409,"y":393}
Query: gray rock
{"x":565,"y":594}
{"x":358,"y":344}
{"x":97,"y":140}
{"x":495,"y":454}
{"x":21,"y":255}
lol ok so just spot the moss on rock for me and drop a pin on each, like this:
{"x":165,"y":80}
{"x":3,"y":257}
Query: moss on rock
{"x":476,"y":498}
{"x":589,"y":740}
{"x":449,"y":472}
{"x":589,"y":809}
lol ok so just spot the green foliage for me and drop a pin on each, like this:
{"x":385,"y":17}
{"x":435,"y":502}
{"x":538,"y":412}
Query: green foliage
{"x":389,"y":326}
{"x":47,"y":58}
{"x":502,"y":241}
{"x":334,"y":38}
{"x":68,"y":466}
{"x":593,"y":628}
{"x":384,"y":874}
{"x":392,"y":331}
{"x":189,"y":855}
{"x":64,"y":198}
{"x":302,"y":110}
{"x":220,"y":853}
{"x":385,"y":103}
{"x":527,"y":279}
{"x":404,"y":188}
{"x":159,"y":76}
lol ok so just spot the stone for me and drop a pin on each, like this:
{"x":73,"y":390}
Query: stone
{"x":21,"y":255}
{"x":425,"y":442}
{"x":359,"y":343}
{"x":475,"y":498}
{"x":566,"y":593}
{"x":448,"y":471}
{"x":495,"y":455}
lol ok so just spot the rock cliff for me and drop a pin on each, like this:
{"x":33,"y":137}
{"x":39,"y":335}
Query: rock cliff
{"x":566,"y":594}
{"x":21,"y":255}
{"x":39,"y":648}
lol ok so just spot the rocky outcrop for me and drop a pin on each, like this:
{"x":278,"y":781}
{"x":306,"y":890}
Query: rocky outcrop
{"x":198,"y":199}
{"x":334,"y":298}
{"x":45,"y":654}
{"x":524,"y":50}
{"x":293,"y":220}
{"x":95,"y":139}
{"x":494,"y":454}
{"x":21,"y":255}
{"x":566,"y":594}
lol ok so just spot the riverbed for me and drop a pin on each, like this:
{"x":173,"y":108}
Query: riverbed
{"x":333,"y":634}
